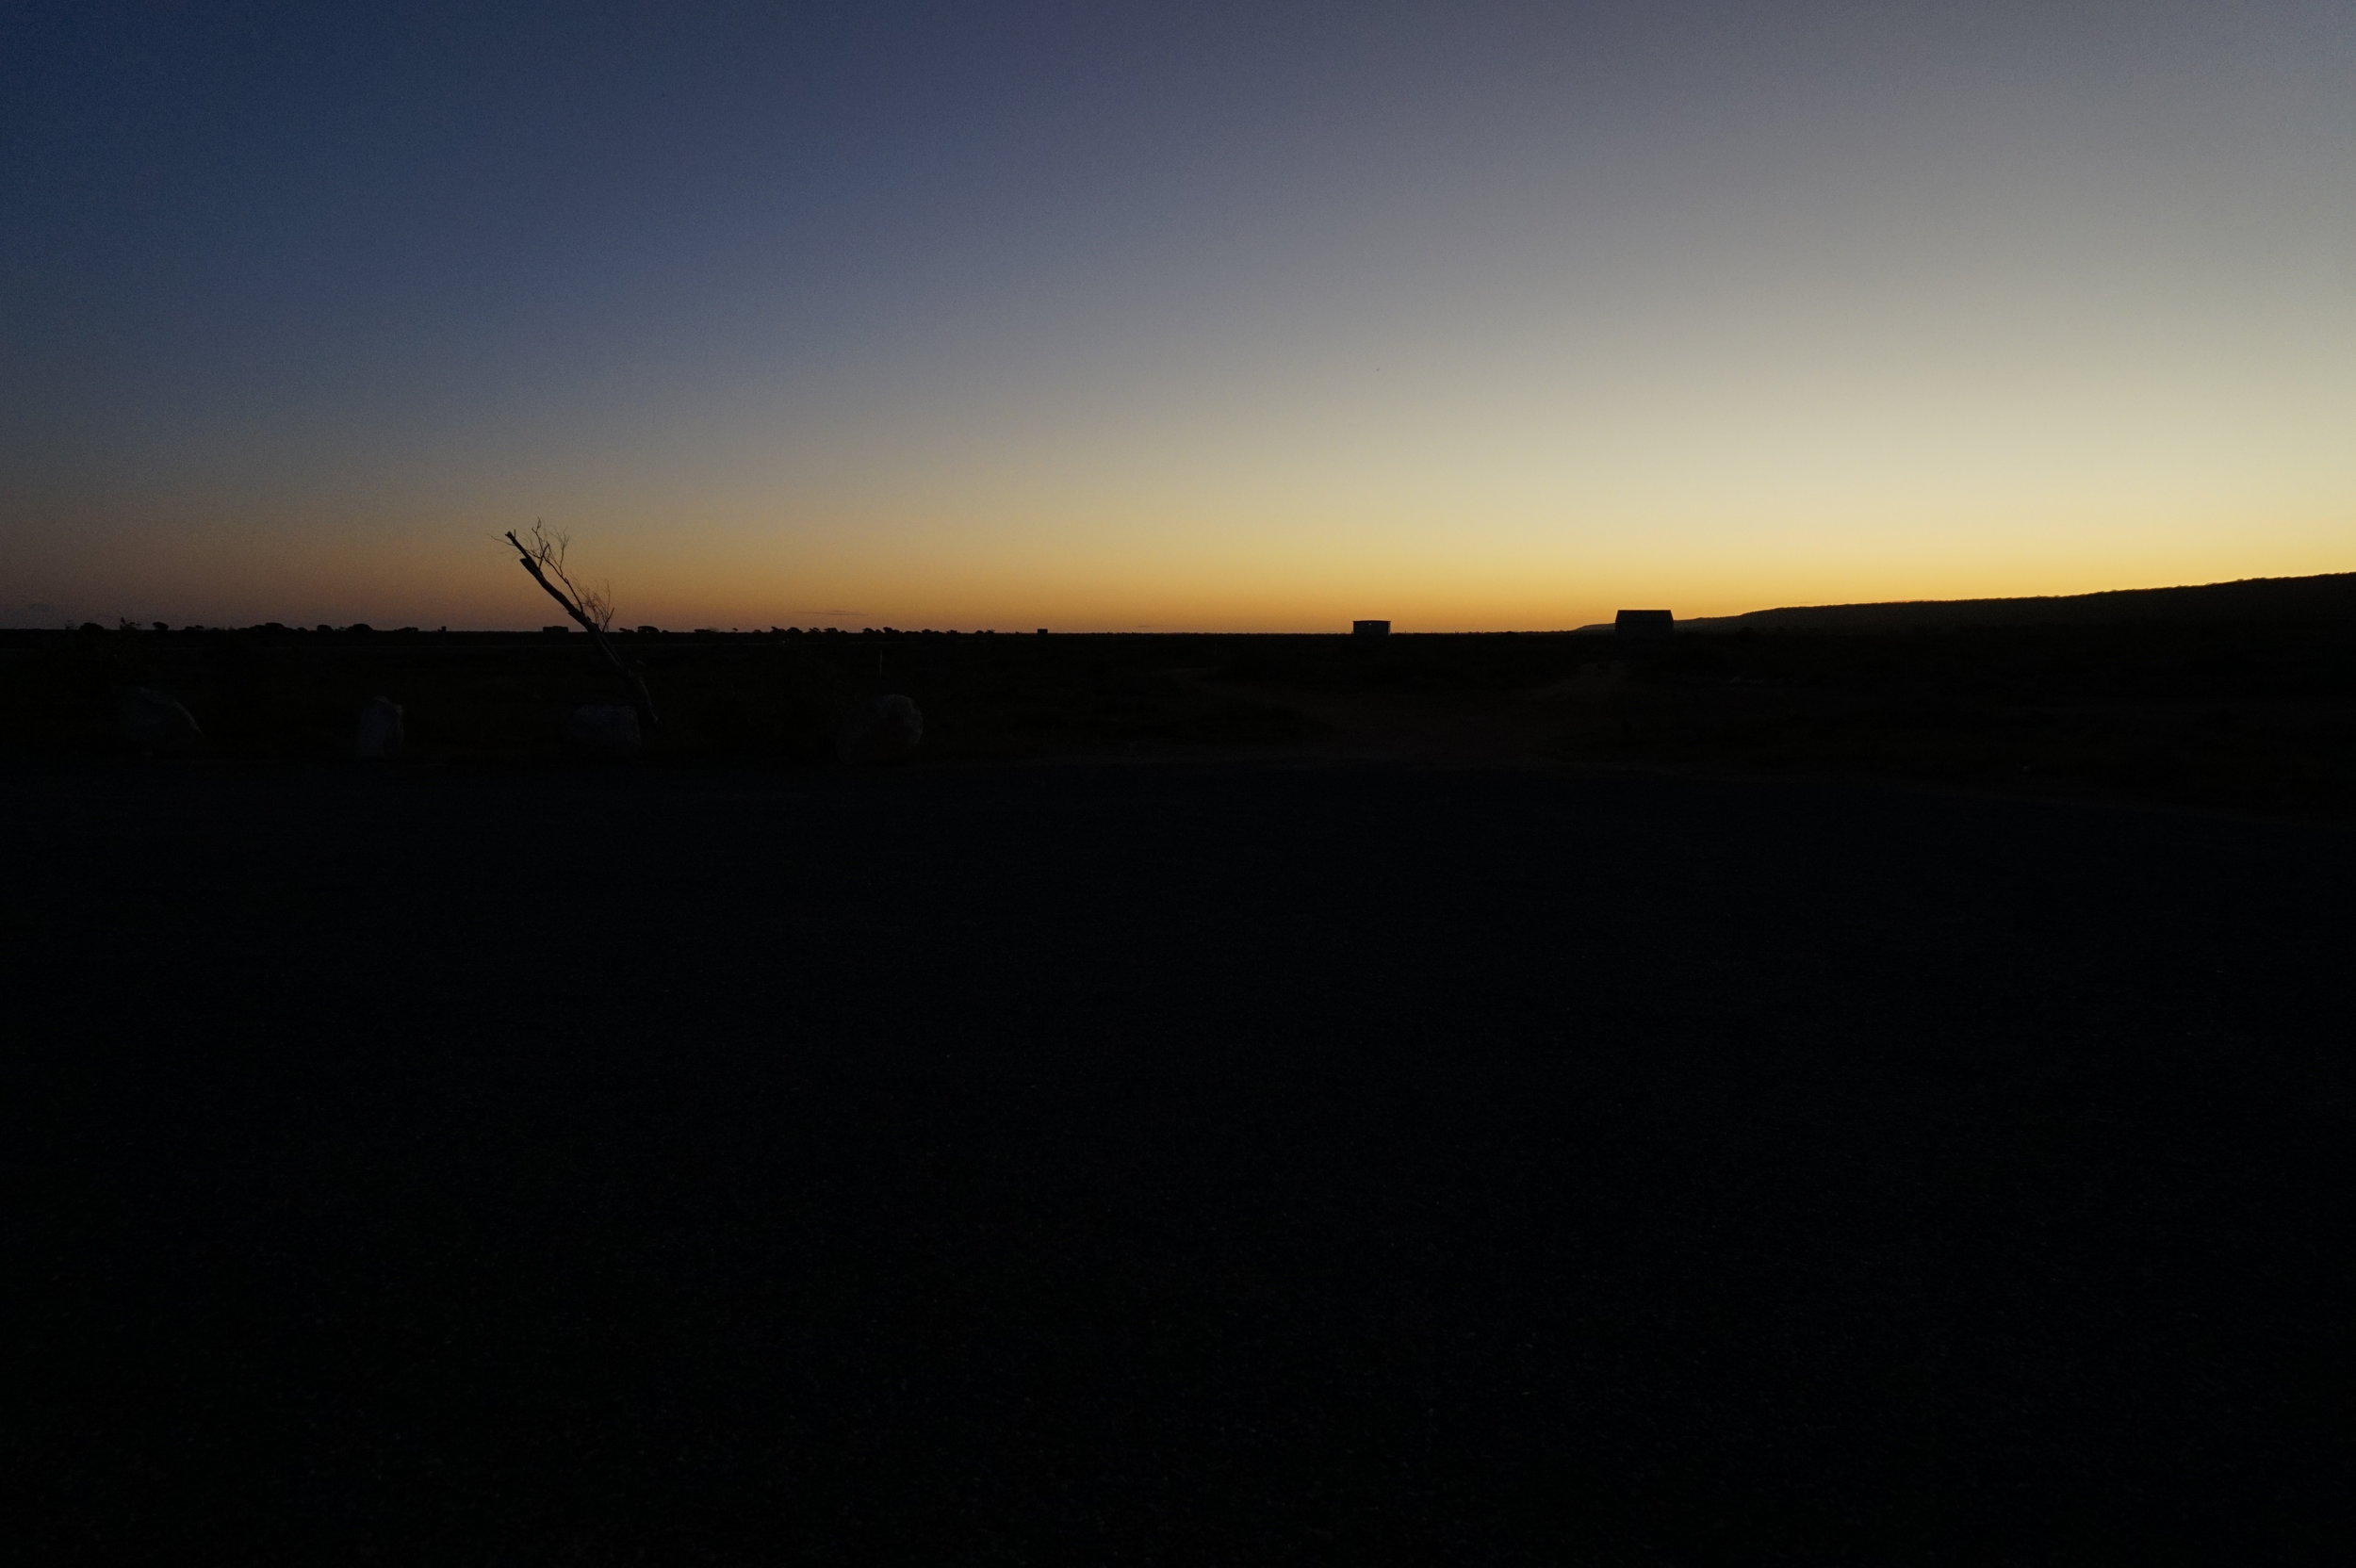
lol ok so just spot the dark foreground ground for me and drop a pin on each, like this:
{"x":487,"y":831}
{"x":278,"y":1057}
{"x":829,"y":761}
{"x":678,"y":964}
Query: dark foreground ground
{"x":1167,"y":1165}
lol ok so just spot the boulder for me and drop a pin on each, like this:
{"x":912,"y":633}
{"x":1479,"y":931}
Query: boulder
{"x":378,"y":738}
{"x":149,"y":721}
{"x":608,"y":729}
{"x":885,"y":731}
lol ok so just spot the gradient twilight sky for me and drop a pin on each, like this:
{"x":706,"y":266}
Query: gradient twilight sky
{"x":1204,"y":316}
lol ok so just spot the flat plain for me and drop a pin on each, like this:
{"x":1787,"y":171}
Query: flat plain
{"x":1242,"y":1162}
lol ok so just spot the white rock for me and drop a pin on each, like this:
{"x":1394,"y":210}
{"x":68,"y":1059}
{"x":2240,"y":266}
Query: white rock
{"x":885,"y":731}
{"x":610,"y":728}
{"x":153,"y":722}
{"x":379,"y":736}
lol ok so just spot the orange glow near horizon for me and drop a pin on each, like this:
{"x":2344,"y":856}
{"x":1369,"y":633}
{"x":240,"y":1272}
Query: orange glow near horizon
{"x":1486,"y":319}
{"x":463,"y":578}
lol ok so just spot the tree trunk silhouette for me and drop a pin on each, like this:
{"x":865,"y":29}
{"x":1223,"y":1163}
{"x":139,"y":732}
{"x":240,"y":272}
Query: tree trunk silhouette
{"x":544,"y":558}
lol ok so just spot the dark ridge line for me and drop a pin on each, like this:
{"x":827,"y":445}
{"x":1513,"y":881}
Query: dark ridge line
{"x":2287,"y":597}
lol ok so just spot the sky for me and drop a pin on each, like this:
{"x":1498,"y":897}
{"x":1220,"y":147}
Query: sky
{"x":1206,"y":316}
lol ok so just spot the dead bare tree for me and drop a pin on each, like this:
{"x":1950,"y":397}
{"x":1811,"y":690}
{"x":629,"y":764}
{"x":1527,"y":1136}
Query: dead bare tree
{"x":542,"y":556}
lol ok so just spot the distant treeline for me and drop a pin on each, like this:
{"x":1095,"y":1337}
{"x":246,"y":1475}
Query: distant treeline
{"x":2239,"y":695}
{"x":361,"y":630}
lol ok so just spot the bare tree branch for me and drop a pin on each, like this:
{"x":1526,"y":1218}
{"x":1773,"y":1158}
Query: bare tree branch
{"x":544,"y":558}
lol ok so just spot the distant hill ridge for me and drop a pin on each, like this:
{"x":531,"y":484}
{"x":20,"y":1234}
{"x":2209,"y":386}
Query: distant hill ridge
{"x":2258,"y":598}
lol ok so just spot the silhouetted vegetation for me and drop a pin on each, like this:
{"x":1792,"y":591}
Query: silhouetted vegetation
{"x":2247,"y":713}
{"x":280,"y":692}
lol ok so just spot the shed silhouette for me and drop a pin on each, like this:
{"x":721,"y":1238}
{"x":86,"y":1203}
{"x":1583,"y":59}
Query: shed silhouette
{"x":1644,"y":623}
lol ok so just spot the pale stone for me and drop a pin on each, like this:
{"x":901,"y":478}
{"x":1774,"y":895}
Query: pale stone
{"x":378,"y":735}
{"x":885,"y":731}
{"x":610,"y":728}
{"x":153,"y":722}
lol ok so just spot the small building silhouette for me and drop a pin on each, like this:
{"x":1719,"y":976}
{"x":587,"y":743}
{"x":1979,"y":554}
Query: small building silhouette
{"x":1369,"y":629}
{"x":1644,"y":623}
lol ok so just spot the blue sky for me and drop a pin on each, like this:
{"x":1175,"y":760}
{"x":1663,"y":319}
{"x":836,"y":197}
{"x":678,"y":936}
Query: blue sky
{"x":1250,"y":315}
